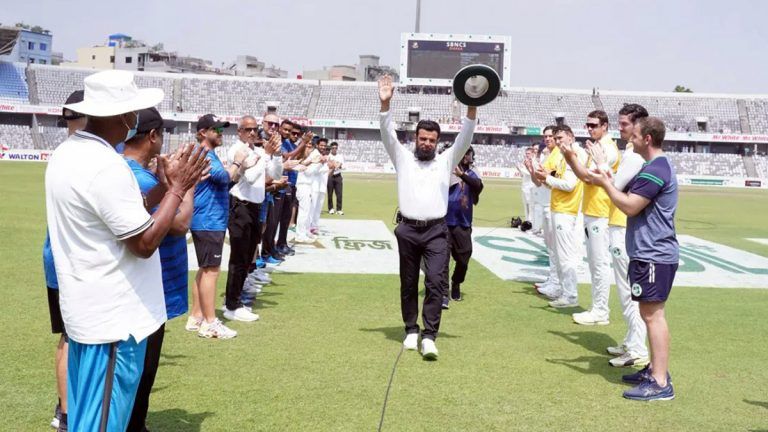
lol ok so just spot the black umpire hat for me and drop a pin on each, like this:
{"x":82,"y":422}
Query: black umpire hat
{"x":211,"y":121}
{"x":150,"y":118}
{"x":75,"y":97}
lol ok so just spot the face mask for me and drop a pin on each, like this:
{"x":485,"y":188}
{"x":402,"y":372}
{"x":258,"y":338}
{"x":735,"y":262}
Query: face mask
{"x":132,"y":132}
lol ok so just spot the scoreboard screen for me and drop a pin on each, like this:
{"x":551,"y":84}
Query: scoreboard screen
{"x":429,"y":59}
{"x":442,"y":59}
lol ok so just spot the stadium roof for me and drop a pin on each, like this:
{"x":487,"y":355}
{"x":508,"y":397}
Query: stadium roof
{"x":8,"y":37}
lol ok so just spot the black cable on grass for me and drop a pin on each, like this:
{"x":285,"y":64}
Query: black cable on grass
{"x":389,"y":386}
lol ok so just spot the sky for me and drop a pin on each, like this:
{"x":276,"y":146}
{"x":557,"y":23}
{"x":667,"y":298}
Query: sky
{"x":651,"y":45}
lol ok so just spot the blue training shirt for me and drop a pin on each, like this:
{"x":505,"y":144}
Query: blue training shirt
{"x":50,"y":270}
{"x":460,"y":203}
{"x":173,"y":253}
{"x":287,"y":147}
{"x":651,"y":234}
{"x":212,"y":199}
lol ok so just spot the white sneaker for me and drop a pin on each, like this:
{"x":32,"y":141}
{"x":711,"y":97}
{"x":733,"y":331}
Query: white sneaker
{"x":216,"y":329}
{"x":617,"y":350}
{"x":193,"y":323}
{"x":628,"y":359}
{"x":251,"y":287}
{"x":240,"y":314}
{"x":331,"y":211}
{"x":411,"y":341}
{"x":340,"y":213}
{"x":588,"y":318}
{"x":563,"y":302}
{"x":550,"y":291}
{"x":428,"y":349}
{"x":260,"y":276}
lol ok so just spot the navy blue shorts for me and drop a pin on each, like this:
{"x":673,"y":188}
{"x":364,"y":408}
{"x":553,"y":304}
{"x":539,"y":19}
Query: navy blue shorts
{"x":651,"y":282}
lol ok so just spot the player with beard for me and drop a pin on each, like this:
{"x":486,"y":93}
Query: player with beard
{"x":422,"y":233}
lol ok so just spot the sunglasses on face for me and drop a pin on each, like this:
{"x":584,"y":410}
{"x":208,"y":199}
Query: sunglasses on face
{"x":592,"y":125}
{"x":272,"y":124}
{"x":295,"y":133}
{"x":249,"y":130}
{"x":218,"y":130}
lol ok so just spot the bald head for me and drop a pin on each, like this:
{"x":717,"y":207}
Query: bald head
{"x":248,"y":129}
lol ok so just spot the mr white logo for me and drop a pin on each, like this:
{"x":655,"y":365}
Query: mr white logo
{"x":513,"y":255}
{"x":637,"y":290}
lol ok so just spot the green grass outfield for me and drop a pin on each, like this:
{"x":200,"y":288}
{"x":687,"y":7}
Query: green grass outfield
{"x":321,"y":356}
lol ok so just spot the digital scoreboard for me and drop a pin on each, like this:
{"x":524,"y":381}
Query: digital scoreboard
{"x":434,"y":59}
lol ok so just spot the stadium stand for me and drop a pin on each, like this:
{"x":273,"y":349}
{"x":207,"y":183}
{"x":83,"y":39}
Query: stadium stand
{"x":722,"y":164}
{"x":761,"y":164}
{"x":52,"y":136}
{"x":13,"y":84}
{"x":680,"y":112}
{"x":539,"y":108}
{"x":15,"y":136}
{"x":757,"y":110}
{"x":55,"y":83}
{"x":237,"y":95}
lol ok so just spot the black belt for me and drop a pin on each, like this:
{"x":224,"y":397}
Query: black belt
{"x":422,"y":223}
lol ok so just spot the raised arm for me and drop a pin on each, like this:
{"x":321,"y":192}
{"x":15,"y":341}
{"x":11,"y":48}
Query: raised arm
{"x":464,"y":138}
{"x":386,"y":125}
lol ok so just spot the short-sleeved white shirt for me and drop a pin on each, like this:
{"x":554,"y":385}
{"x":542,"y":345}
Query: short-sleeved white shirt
{"x":93,"y":203}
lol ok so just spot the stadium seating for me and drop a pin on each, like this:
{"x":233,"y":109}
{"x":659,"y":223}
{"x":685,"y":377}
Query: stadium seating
{"x":15,"y":136}
{"x":13,"y":83}
{"x":757,"y":111}
{"x":539,"y":108}
{"x":358,"y":101}
{"x":728,"y":165}
{"x":680,"y":112}
{"x":52,"y":136}
{"x":55,"y":83}
{"x":761,"y":164}
{"x":238,"y":96}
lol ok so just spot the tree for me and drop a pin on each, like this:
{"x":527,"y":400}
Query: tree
{"x":682,"y":89}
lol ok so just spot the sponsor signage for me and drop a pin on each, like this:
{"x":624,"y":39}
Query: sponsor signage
{"x":342,"y":246}
{"x":514,"y":255}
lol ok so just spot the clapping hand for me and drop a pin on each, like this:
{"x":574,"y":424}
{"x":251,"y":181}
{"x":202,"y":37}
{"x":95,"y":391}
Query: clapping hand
{"x":540,"y":174}
{"x":596,"y":151}
{"x":182,"y":170}
{"x":273,"y":145}
{"x":599,"y":177}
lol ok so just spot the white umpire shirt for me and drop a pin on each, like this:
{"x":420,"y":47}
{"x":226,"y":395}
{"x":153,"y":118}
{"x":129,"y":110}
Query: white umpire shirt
{"x":422,"y":187}
{"x":93,"y":203}
{"x":339,"y":159}
{"x":251,"y":186}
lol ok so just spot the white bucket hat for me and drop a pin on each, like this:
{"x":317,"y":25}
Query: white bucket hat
{"x":113,"y":92}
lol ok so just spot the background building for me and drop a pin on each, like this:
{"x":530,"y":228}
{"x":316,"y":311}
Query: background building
{"x":25,"y":44}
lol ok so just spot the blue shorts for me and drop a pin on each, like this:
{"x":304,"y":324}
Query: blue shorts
{"x":651,"y":282}
{"x":87,"y":370}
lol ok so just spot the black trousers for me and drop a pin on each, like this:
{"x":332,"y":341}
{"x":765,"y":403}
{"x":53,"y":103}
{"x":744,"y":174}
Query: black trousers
{"x":335,"y":184}
{"x":273,"y":220}
{"x":431,"y":245}
{"x":244,"y":236}
{"x":286,"y":214}
{"x":151,"y":363}
{"x":461,"y":251}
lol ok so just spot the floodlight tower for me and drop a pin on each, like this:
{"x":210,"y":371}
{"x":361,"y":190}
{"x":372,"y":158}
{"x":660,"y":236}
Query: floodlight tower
{"x":418,"y":16}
